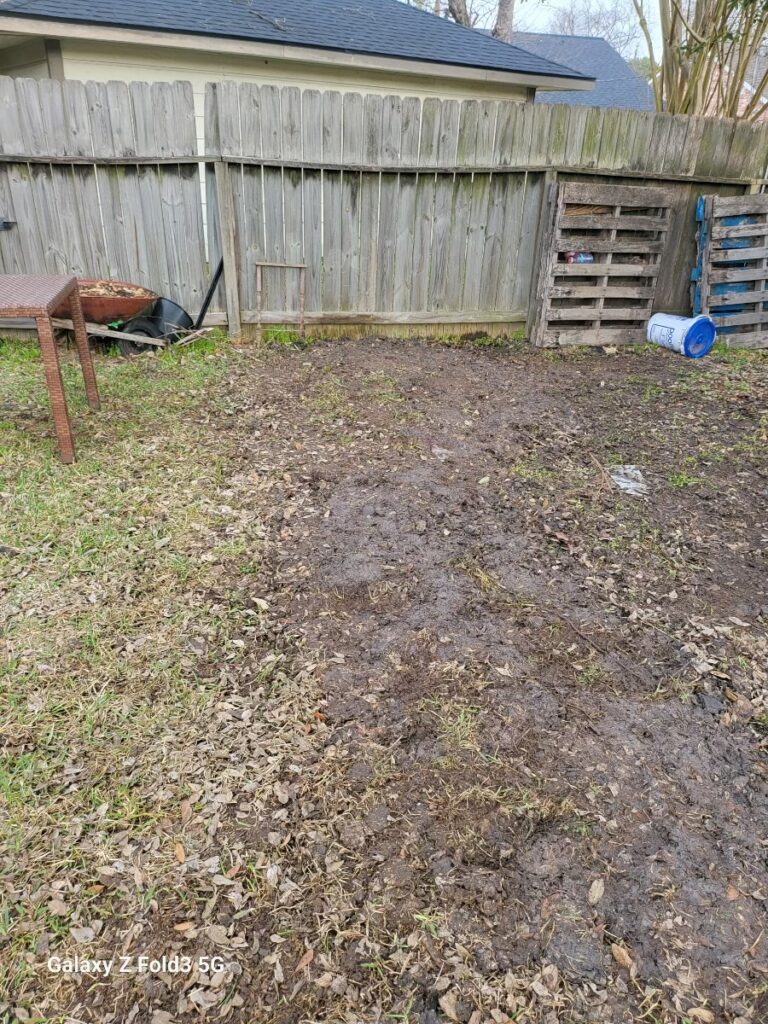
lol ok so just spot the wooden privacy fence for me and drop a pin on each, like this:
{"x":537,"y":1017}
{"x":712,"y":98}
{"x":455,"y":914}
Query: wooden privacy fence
{"x":404,"y":211}
{"x":417,"y":211}
{"x":102,"y":181}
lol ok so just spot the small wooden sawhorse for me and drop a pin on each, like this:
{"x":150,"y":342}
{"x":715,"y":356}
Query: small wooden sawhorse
{"x":24,"y":297}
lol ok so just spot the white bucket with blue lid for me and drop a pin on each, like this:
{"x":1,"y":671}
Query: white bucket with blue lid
{"x":690,"y":336}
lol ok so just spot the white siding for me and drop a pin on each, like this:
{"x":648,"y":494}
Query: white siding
{"x":126,"y":62}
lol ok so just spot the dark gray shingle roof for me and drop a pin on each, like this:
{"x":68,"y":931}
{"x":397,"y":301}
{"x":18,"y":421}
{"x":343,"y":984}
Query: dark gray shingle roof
{"x":384,"y":28}
{"x":617,"y":84}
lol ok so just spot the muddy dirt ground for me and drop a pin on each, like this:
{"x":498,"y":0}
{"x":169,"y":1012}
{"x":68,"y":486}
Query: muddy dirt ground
{"x":547,"y":696}
{"x":485,"y":740}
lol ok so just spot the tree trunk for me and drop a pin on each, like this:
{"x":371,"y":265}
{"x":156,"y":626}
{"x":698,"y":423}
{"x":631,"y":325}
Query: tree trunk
{"x":505,"y":21}
{"x":458,"y":11}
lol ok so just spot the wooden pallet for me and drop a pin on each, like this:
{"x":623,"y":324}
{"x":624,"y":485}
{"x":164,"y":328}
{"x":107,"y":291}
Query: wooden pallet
{"x":734,"y":268}
{"x":608,"y":301}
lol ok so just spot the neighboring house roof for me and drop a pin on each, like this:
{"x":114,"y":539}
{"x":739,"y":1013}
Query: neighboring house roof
{"x":384,"y":28}
{"x":758,"y":66}
{"x":754,"y":79}
{"x":746,"y":97}
{"x":617,"y":84}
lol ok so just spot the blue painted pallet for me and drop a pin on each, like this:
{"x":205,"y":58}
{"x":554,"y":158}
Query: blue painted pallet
{"x":752,"y":314}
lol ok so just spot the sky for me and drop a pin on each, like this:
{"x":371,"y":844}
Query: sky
{"x":535,"y":15}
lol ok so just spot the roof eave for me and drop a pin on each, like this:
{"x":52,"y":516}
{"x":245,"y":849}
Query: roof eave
{"x":251,"y":48}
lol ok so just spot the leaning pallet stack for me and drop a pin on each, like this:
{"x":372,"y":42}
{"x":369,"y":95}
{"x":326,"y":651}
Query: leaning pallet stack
{"x":600,"y":263}
{"x":732,"y":268}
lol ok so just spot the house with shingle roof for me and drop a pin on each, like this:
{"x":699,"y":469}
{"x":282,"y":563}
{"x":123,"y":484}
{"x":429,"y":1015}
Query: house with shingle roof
{"x":616,"y":83}
{"x":379,"y":46}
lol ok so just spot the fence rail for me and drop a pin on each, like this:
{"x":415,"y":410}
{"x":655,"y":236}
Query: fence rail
{"x":405,"y":211}
{"x":267,"y":124}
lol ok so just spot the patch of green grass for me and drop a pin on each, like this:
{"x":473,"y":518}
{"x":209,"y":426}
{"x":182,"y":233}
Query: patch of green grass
{"x":591,"y":674}
{"x":717,"y":380}
{"x":672,"y":688}
{"x":23,"y":777}
{"x":568,"y":353}
{"x":383,"y":388}
{"x":683,"y":479}
{"x":480,"y":340}
{"x":521,"y":802}
{"x":487,"y":580}
{"x":430,"y":921}
{"x":738,"y":357}
{"x":18,"y":351}
{"x":578,"y":827}
{"x":282,"y":337}
{"x":457,"y":722}
{"x":122,"y":567}
{"x":533,"y":470}
{"x":329,"y":398}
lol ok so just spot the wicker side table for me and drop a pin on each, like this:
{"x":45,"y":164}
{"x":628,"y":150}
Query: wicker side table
{"x":24,"y":296}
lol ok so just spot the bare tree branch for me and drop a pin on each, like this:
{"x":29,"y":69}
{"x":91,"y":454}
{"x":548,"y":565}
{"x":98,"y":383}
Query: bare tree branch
{"x":708,"y":63}
{"x":613,"y":20}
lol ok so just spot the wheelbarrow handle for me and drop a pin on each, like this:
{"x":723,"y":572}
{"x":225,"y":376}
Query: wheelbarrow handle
{"x":209,"y":295}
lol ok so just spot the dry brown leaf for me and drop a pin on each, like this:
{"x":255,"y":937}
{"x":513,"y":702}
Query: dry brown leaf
{"x":217,"y":933}
{"x":596,"y":891}
{"x":272,"y":875}
{"x":701,"y":1014}
{"x":621,"y":956}
{"x":205,"y":998}
{"x":339,"y":984}
{"x":306,"y":960}
{"x":550,"y":976}
{"x":179,"y":853}
{"x":448,"y":1005}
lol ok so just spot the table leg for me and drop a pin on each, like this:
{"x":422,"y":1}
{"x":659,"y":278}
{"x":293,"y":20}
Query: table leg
{"x":55,"y":389}
{"x":84,"y":350}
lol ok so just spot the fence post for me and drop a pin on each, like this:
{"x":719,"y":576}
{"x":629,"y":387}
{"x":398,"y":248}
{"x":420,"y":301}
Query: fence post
{"x":543,"y":233}
{"x":228,"y":241}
